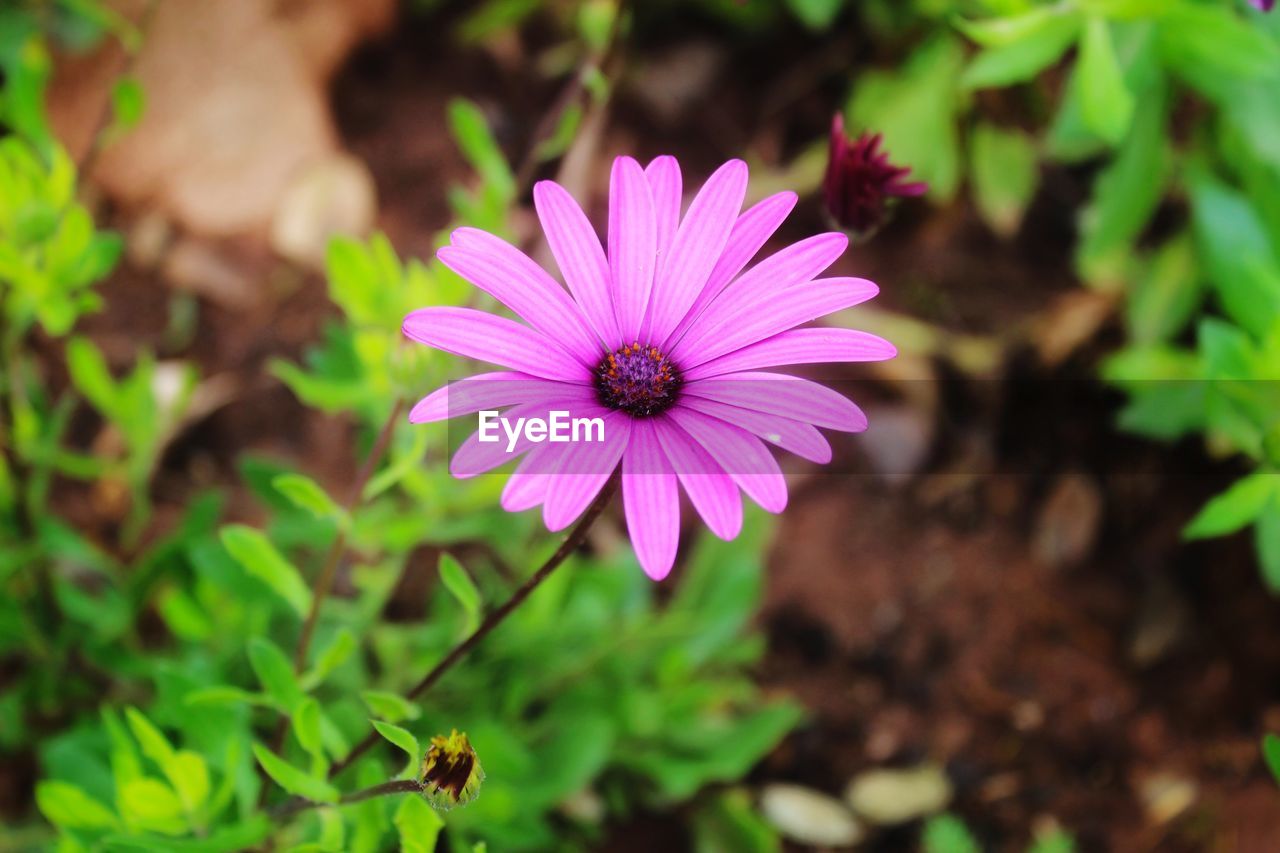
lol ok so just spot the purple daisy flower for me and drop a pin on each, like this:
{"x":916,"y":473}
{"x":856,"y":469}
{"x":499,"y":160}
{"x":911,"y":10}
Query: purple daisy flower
{"x":664,"y":340}
{"x":860,"y":180}
{"x":1264,"y":5}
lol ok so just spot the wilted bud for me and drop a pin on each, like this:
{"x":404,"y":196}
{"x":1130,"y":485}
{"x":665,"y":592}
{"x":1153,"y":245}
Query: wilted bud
{"x":451,"y":772}
{"x":860,"y":181}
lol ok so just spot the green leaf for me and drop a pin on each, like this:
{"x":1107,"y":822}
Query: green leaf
{"x":461,"y":587}
{"x":948,"y":834}
{"x":128,"y":103}
{"x":1020,"y":60}
{"x":91,"y":376}
{"x":292,"y":779}
{"x":1271,"y":753}
{"x":915,"y":109}
{"x":471,"y":131}
{"x":151,"y":804}
{"x":404,"y":739}
{"x":1242,"y":264}
{"x":1215,"y":50}
{"x":66,"y":806}
{"x":1005,"y":173}
{"x":1106,"y":103}
{"x":153,"y":742}
{"x":817,"y":15}
{"x":306,"y":726}
{"x":1237,"y":507}
{"x":1052,"y":841}
{"x":419,"y":826}
{"x":1165,"y":295}
{"x":729,"y":823}
{"x":390,"y":706}
{"x":1126,"y":193}
{"x":253,"y":550}
{"x":1267,"y":542}
{"x":275,"y":674}
{"x":333,"y":656}
{"x":189,"y":775}
{"x":305,"y":493}
{"x":1009,"y":29}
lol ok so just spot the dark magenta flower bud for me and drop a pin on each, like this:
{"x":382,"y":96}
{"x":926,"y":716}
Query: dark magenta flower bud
{"x":860,"y":181}
{"x":1264,"y":5}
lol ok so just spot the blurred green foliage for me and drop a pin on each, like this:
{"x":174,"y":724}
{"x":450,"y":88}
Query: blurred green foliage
{"x":151,"y":678}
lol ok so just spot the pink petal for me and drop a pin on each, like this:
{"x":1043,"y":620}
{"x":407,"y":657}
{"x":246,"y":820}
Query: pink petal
{"x":633,"y":237}
{"x":490,"y":391}
{"x":475,"y":457}
{"x":475,"y":334}
{"x":799,"y":346}
{"x":651,"y":502}
{"x":768,"y":280}
{"x":711,"y":491}
{"x":802,"y":439}
{"x":511,"y":277}
{"x":779,"y":394}
{"x":528,"y":484}
{"x":696,"y":248}
{"x":740,"y":454}
{"x":578,"y":253}
{"x":584,"y":468}
{"x":751,"y":231}
{"x":665,"y":186}
{"x":798,"y":305}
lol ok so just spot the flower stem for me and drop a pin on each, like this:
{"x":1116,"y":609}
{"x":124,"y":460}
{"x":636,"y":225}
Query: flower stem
{"x":396,"y":786}
{"x":324,"y":582}
{"x":570,"y":544}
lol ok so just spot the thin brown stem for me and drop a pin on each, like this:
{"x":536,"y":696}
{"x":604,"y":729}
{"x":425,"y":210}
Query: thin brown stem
{"x":571,"y":543}
{"x":396,"y":786}
{"x":324,"y":582}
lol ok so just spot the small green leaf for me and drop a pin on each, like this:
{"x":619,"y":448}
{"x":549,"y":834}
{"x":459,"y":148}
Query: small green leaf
{"x":390,"y":706}
{"x":275,"y":674}
{"x":1165,"y":295}
{"x":189,"y":775}
{"x":402,"y":738}
{"x":292,"y":779}
{"x":817,"y":15}
{"x":1052,"y":841}
{"x":333,"y":656}
{"x":151,"y":804}
{"x":65,"y":805}
{"x":305,"y":493}
{"x":1267,"y":542}
{"x":1005,"y":174}
{"x":948,"y":834}
{"x":1022,"y":59}
{"x":306,"y":725}
{"x":419,"y":826}
{"x":91,"y":376}
{"x":478,"y":145}
{"x":1237,"y":507}
{"x":153,"y":742}
{"x":1271,"y":753}
{"x":460,"y":585}
{"x":253,"y":550}
{"x":128,"y":103}
{"x":1106,"y":104}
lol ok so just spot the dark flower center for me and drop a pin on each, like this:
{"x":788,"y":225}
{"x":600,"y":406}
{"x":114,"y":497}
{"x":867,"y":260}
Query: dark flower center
{"x":638,"y":380}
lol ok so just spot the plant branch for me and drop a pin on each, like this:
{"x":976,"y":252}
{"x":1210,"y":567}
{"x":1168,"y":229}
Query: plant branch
{"x":396,"y":786}
{"x":571,"y":543}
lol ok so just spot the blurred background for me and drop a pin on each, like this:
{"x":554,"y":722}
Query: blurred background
{"x":1032,"y":608}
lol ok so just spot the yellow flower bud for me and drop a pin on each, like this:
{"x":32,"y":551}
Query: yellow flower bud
{"x":451,"y":771}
